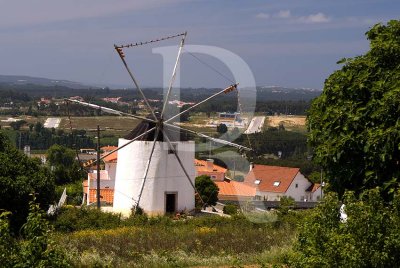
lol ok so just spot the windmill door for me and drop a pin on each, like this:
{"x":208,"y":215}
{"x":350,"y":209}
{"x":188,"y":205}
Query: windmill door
{"x":170,"y":202}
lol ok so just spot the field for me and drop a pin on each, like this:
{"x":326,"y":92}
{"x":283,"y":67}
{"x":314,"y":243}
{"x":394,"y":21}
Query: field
{"x":292,"y":123}
{"x":207,"y":241}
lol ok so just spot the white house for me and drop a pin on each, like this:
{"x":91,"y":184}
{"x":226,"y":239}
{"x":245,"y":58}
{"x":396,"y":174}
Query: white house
{"x":273,"y":182}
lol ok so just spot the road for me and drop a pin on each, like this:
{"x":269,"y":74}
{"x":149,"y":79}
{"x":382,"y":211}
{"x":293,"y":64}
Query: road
{"x":255,"y":125}
{"x":52,"y":122}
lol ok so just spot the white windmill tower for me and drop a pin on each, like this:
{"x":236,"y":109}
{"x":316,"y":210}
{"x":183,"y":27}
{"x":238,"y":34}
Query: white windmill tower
{"x":155,"y":168}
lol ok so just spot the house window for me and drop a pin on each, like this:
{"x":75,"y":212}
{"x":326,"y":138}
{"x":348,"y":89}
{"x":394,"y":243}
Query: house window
{"x":170,"y":150}
{"x":277,"y":183}
{"x":257,"y":182}
{"x":213,"y":177}
{"x":297,"y":185}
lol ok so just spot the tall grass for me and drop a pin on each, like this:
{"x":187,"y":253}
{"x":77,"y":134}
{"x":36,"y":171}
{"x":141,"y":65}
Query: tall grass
{"x":163,"y":242}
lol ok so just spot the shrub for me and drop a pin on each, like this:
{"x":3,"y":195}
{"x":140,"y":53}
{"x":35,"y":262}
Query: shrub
{"x":369,"y":238}
{"x":72,"y":219}
{"x":35,"y":248}
{"x":230,"y":209}
{"x":207,"y":189}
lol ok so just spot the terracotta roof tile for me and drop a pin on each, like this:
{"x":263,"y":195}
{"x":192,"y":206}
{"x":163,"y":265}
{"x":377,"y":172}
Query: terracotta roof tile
{"x":313,"y":187}
{"x":271,"y":178}
{"x":201,"y":166}
{"x":112,"y":157}
{"x":234,"y":188}
{"x":108,"y":148}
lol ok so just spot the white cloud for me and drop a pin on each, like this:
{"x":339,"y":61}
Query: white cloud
{"x":315,"y":18}
{"x":262,"y":16}
{"x":283,"y":14}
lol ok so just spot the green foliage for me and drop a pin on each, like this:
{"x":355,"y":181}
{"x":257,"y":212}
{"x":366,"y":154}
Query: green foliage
{"x":369,"y":238}
{"x":72,"y":219}
{"x":222,"y":128}
{"x":74,"y":192}
{"x":230,"y":209}
{"x":354,"y":125}
{"x":19,"y":177}
{"x":63,"y":164}
{"x":34,"y":248}
{"x":293,"y":145}
{"x":207,"y":189}
{"x":189,"y":242}
{"x":18,"y":124}
{"x":285,"y":204}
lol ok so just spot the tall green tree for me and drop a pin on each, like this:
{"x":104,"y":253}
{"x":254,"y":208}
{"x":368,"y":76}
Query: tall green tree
{"x":354,"y":124}
{"x":63,"y":164}
{"x":21,"y":176}
{"x":207,"y":189}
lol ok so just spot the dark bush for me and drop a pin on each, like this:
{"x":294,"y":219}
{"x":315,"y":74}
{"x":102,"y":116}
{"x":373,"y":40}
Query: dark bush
{"x":230,"y":209}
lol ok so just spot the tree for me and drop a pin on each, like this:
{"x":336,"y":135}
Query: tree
{"x":63,"y":164}
{"x":222,"y":128}
{"x":207,"y":189}
{"x":17,"y":124}
{"x":21,"y":176}
{"x":354,"y":124}
{"x":35,"y":249}
{"x":368,"y":238}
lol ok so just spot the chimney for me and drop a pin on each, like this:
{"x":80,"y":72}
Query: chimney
{"x":210,"y":164}
{"x":251,"y":166}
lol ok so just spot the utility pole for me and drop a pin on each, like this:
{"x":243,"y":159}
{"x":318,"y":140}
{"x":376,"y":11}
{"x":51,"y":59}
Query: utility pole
{"x":98,"y":167}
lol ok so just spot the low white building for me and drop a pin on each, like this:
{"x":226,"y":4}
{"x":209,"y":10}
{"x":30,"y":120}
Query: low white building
{"x":273,"y":182}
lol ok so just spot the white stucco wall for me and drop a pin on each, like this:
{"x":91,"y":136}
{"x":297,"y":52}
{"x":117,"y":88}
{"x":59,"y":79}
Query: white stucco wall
{"x":299,"y":193}
{"x":165,"y":175}
{"x":315,"y":196}
{"x":111,"y":169}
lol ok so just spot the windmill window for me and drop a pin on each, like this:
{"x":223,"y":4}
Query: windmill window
{"x":170,"y":150}
{"x":297,"y":185}
{"x":277,"y":183}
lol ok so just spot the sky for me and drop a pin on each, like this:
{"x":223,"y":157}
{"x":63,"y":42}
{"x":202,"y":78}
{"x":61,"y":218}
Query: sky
{"x":291,"y":43}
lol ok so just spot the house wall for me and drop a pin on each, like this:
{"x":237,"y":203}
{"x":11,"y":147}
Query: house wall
{"x":165,"y":175}
{"x":315,"y":196}
{"x":107,"y":195}
{"x":111,"y":169}
{"x":234,"y":198}
{"x":268,"y":196}
{"x":298,"y":193}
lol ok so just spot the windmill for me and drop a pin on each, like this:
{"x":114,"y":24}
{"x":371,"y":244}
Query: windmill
{"x":155,"y":168}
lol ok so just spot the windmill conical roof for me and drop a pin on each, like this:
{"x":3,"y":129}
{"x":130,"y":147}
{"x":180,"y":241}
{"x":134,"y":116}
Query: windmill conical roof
{"x":173,"y":134}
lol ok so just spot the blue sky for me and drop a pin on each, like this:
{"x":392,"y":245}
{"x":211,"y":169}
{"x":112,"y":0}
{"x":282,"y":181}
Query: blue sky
{"x":294,"y":43}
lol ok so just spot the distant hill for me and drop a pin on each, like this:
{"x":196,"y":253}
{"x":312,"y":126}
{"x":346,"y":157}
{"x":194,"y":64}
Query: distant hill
{"x":16,"y":80}
{"x":36,"y":87}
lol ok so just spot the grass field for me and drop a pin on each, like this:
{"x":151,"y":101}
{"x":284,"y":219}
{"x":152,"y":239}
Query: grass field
{"x":291,"y":123}
{"x":197,"y":242}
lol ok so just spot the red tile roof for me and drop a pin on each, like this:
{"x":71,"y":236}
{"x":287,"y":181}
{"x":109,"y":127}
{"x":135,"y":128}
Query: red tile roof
{"x":234,"y":188}
{"x":272,"y":178}
{"x":108,"y":148}
{"x":201,"y":166}
{"x":112,"y":157}
{"x":313,"y":187}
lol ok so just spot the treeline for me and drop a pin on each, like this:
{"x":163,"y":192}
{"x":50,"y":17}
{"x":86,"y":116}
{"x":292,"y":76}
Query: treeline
{"x":270,"y":101}
{"x":40,"y":138}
